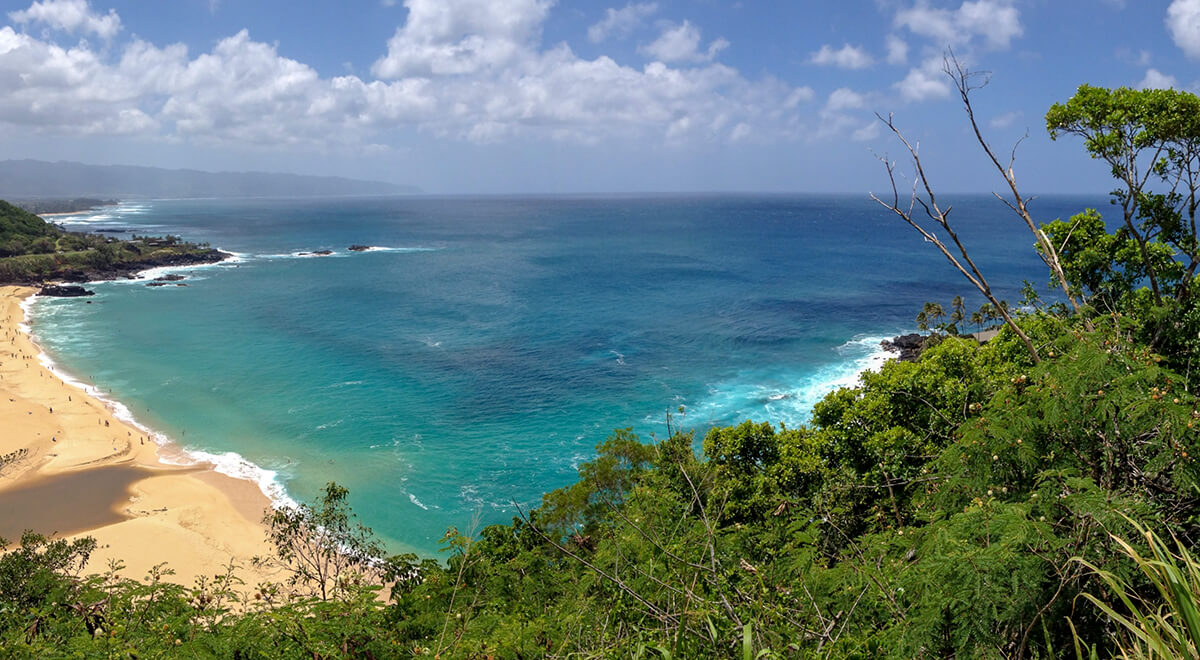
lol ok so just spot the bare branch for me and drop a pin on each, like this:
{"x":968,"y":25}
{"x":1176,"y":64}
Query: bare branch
{"x":961,"y":76}
{"x":962,"y":261}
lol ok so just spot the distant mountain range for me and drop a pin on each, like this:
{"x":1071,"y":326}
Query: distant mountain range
{"x":36,"y":178}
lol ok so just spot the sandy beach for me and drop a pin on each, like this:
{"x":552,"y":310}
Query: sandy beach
{"x":71,"y":468}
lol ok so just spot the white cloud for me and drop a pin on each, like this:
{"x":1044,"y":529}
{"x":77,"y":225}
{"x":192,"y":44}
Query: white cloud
{"x":844,"y":98}
{"x":461,"y":37}
{"x":866,"y":132}
{"x":470,"y":70}
{"x":997,"y":22}
{"x":681,"y":43}
{"x":71,"y":90}
{"x":69,"y":16}
{"x":836,"y":117}
{"x":897,"y":50}
{"x":923,"y":83}
{"x":1155,"y":79}
{"x":846,"y":57}
{"x":1183,"y":22}
{"x":621,"y":22}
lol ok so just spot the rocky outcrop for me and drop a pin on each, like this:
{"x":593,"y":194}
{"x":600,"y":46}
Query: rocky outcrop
{"x":908,"y":346}
{"x":64,"y":291}
{"x":359,"y":248}
{"x":170,"y":278}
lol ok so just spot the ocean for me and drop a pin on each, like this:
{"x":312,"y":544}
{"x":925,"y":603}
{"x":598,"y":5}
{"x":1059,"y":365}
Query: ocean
{"x":474,"y":357}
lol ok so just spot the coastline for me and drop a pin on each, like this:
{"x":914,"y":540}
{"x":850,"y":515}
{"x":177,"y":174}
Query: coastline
{"x":78,"y":469}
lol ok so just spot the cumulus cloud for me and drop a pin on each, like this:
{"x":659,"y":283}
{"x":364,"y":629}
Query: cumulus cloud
{"x":923,"y":83}
{"x":461,"y":37}
{"x":621,"y":22}
{"x":69,"y":16}
{"x":1155,"y":79}
{"x":997,"y":22}
{"x":465,"y":69}
{"x":837,"y":117}
{"x":681,"y":43}
{"x":846,"y":57}
{"x":844,"y":98}
{"x":1183,"y":22}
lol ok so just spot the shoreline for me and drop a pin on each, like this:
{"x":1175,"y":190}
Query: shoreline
{"x":76,"y":467}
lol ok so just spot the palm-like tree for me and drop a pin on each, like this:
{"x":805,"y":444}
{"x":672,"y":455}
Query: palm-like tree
{"x":933,"y":313}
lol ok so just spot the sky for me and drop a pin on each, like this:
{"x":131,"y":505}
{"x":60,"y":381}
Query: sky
{"x":576,"y":96}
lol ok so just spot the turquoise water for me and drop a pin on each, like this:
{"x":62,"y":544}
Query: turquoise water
{"x":476,"y":358}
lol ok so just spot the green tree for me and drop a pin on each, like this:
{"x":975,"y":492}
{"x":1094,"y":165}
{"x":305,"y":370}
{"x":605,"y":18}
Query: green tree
{"x":1145,"y":136}
{"x":958,"y":311}
{"x":323,"y":548}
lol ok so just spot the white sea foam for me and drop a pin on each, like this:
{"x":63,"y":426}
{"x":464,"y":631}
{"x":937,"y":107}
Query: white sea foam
{"x":234,"y":465}
{"x":142,"y":276}
{"x":310,"y":254}
{"x":330,"y":425}
{"x":469,"y":494}
{"x":229,"y":463}
{"x":384,"y":248}
{"x":299,"y":254}
{"x":346,"y":383}
{"x":782,"y":397}
{"x":413,"y":498}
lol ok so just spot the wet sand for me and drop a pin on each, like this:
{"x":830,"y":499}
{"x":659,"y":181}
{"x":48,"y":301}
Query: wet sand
{"x":38,"y":503}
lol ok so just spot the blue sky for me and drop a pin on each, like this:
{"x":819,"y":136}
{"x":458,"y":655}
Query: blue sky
{"x":511,"y":96}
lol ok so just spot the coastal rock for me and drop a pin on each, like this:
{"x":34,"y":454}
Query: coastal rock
{"x":156,"y":283}
{"x":359,"y":248}
{"x":169,"y":278}
{"x":64,"y":291}
{"x":908,"y":346}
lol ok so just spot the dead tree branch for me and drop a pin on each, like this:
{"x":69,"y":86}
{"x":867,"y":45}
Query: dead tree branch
{"x":962,"y":78}
{"x":940,"y":217}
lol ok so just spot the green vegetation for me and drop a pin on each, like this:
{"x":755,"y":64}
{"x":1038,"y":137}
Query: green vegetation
{"x":33,"y":250}
{"x":978,"y":502}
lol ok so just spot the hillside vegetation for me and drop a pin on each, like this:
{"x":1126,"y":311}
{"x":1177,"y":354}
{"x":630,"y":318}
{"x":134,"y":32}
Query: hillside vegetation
{"x":991,"y":501}
{"x":34,"y":251}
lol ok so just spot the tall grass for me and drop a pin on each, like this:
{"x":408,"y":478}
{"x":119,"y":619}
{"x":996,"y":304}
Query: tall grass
{"x":1166,"y":625}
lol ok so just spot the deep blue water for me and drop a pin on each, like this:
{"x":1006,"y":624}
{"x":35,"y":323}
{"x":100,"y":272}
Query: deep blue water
{"x":482,"y":356}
